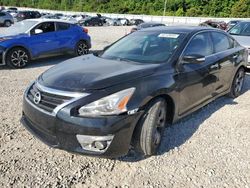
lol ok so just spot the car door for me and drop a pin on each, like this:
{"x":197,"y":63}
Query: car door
{"x":197,"y":79}
{"x":94,"y":21}
{"x":46,"y":42}
{"x":227,"y":55}
{"x":66,"y":35}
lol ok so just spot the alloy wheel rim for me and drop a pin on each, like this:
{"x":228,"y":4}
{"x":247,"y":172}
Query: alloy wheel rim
{"x":19,"y":58}
{"x":8,"y":24}
{"x":161,"y":121}
{"x":239,"y":82}
{"x":82,"y":49}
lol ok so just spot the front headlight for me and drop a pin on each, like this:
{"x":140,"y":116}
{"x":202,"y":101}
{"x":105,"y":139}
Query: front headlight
{"x":111,"y":105}
{"x":4,"y":39}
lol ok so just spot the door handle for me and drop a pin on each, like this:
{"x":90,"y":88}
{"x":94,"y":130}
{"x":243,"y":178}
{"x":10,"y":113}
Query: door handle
{"x":215,"y":66}
{"x":48,"y":41}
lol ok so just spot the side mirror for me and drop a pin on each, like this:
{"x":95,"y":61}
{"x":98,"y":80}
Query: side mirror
{"x":196,"y":59}
{"x":38,"y":31}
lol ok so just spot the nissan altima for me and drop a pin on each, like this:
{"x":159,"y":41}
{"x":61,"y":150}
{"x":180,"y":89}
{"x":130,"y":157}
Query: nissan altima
{"x":36,"y":38}
{"x":126,"y":95}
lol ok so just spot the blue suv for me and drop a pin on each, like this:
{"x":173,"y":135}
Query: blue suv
{"x":36,"y":38}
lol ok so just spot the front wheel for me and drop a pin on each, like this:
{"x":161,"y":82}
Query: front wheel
{"x":81,"y":48}
{"x":238,"y":82}
{"x":17,"y":58}
{"x":151,"y":127}
{"x":7,"y":23}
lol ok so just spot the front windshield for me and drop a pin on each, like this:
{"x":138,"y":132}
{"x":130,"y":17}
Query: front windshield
{"x":20,"y":27}
{"x":145,"y":47}
{"x":243,"y":28}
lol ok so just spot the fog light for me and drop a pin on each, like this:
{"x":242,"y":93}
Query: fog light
{"x":101,"y":145}
{"x":95,"y":143}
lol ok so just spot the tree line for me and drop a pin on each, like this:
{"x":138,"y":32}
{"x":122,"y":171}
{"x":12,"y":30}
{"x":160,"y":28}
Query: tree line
{"x":215,"y":8}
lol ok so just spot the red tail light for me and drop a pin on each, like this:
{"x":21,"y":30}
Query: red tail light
{"x":85,"y":30}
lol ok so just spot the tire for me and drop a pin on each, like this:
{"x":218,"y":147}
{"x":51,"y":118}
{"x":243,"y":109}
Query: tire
{"x":151,"y":127}
{"x":7,"y":23}
{"x":238,"y":82}
{"x":17,"y":58}
{"x":81,"y":48}
{"x":86,"y":24}
{"x":100,"y":24}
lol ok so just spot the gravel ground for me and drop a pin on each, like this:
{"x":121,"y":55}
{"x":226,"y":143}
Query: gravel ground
{"x":210,"y":148}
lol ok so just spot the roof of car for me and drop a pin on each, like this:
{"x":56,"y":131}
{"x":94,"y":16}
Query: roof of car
{"x":49,"y":20}
{"x":178,"y":29}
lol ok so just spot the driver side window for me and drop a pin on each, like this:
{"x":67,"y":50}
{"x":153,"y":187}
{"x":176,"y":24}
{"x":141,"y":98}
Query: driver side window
{"x":44,"y":27}
{"x":200,"y":45}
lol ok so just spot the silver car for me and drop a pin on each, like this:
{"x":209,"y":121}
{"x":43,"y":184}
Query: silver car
{"x":241,"y":32}
{"x":6,"y":19}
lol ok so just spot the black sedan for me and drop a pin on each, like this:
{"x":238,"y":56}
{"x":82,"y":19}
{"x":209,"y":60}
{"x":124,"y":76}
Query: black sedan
{"x":101,"y":105}
{"x":92,"y":21}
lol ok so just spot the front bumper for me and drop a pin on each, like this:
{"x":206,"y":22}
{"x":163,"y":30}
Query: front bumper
{"x":60,"y":131}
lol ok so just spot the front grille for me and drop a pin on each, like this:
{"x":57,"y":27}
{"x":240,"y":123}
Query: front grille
{"x":48,"y":101}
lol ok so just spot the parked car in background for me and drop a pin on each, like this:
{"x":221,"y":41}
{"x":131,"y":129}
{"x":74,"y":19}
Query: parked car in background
{"x":124,"y":21}
{"x":69,"y":18}
{"x":215,"y":24}
{"x":35,"y":38}
{"x":23,"y":15}
{"x":113,"y":22}
{"x":50,"y":16}
{"x":13,"y":8}
{"x":101,"y":105}
{"x":6,"y":19}
{"x":136,"y":21}
{"x":11,"y":12}
{"x":146,"y":25}
{"x":79,"y":18}
{"x":59,"y":15}
{"x":2,"y":8}
{"x":241,"y":32}
{"x":232,"y":23}
{"x":92,"y":21}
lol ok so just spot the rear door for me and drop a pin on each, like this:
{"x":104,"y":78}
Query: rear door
{"x":197,"y":80}
{"x":66,"y":35}
{"x":44,"y":43}
{"x":227,"y":54}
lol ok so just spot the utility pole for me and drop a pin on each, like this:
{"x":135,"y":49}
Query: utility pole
{"x":165,"y":7}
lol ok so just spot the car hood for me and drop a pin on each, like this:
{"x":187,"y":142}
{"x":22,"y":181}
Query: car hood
{"x":91,"y":73}
{"x":243,"y":40}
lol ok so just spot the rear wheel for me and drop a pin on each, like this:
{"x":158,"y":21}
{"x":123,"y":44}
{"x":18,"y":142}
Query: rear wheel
{"x":238,"y":82}
{"x":151,"y":127}
{"x":17,"y":58}
{"x":81,"y":48}
{"x":7,"y":23}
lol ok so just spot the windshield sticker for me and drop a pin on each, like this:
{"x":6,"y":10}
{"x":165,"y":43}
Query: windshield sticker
{"x":165,"y":35}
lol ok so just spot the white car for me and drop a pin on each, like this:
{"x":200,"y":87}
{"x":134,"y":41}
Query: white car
{"x":113,"y":22}
{"x":124,"y":21}
{"x":69,"y":18}
{"x":241,"y":32}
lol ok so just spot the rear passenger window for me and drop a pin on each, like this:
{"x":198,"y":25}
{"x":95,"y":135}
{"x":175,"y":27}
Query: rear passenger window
{"x":221,"y":42}
{"x":199,"y":45}
{"x":62,"y":26}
